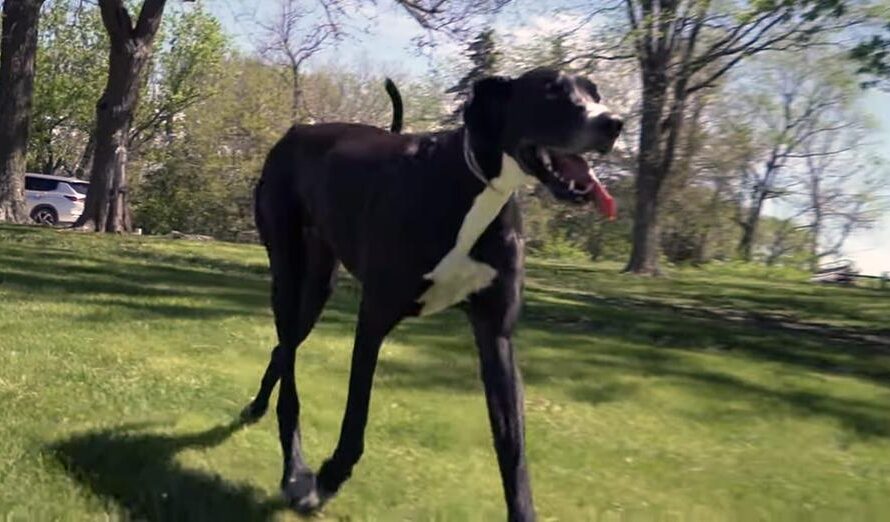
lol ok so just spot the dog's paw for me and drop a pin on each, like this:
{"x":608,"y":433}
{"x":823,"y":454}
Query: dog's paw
{"x":303,"y":494}
{"x":253,"y":412}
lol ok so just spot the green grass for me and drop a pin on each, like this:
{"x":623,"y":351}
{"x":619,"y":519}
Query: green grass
{"x":729,"y":393}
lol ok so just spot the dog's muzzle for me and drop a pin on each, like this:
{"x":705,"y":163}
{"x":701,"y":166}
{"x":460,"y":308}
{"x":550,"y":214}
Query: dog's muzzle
{"x":603,"y":130}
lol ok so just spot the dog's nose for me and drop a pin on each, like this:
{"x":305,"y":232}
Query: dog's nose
{"x":608,"y":125}
{"x":613,"y":126}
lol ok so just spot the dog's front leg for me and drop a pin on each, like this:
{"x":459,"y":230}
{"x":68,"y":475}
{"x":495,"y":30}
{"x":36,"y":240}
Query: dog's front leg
{"x":375,"y":321}
{"x":493,"y":314}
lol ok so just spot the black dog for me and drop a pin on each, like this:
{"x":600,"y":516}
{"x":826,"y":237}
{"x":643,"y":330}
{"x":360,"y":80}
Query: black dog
{"x":424,"y":222}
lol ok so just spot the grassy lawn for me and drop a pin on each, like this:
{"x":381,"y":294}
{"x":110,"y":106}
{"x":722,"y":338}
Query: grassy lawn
{"x":729,"y":393}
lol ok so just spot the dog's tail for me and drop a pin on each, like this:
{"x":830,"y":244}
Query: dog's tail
{"x":397,"y":109}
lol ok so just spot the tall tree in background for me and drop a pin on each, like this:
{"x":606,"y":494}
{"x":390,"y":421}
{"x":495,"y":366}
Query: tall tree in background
{"x":833,"y":205}
{"x":105,"y":208}
{"x":483,"y":54}
{"x":295,"y":34}
{"x":18,"y":49}
{"x":798,"y":108}
{"x":685,"y":46}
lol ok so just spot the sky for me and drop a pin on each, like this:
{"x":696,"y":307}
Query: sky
{"x":386,"y":42}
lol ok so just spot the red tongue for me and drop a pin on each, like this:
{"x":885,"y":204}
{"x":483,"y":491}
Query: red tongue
{"x":605,"y":203}
{"x":574,"y":168}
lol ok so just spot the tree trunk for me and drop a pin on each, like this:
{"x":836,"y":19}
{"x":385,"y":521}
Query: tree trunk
{"x":105,"y":208}
{"x":749,"y":229}
{"x":816,"y":225}
{"x":296,"y":93}
{"x":85,"y":165}
{"x":645,"y":251}
{"x":815,"y":256}
{"x":18,"y":49}
{"x":117,"y":205}
{"x":645,"y":247}
{"x":114,"y":113}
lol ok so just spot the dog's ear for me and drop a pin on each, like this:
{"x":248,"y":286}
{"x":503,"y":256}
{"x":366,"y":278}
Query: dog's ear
{"x":485,"y":111}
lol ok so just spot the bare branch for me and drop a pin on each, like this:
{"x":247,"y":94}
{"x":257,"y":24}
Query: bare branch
{"x":632,"y":15}
{"x":820,"y":154}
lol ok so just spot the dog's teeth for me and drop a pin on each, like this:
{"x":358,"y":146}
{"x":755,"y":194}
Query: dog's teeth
{"x":572,"y":185}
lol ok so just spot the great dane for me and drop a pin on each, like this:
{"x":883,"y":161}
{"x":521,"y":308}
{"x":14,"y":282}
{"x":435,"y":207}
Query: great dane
{"x":424,"y":222}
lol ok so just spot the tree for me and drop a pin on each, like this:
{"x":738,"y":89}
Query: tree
{"x":292,"y":37}
{"x":106,"y":208}
{"x":799,"y":109}
{"x":483,"y":55}
{"x":338,"y":93}
{"x":202,"y":181}
{"x":783,"y":241}
{"x":837,"y":196}
{"x":71,"y":61}
{"x":18,"y":48}
{"x":184,"y":72}
{"x":685,"y":46}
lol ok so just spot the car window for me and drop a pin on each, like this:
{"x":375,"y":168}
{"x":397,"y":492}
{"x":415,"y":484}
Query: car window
{"x":81,"y":188}
{"x":40,"y":184}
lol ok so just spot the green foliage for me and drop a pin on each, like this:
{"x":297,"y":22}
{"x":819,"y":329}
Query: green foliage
{"x":72,"y":59}
{"x":782,"y":242}
{"x":697,"y":226}
{"x":202,"y":181}
{"x":185,"y":69}
{"x":873,"y":56}
{"x":424,"y":104}
{"x":72,"y":67}
{"x":336,"y":93}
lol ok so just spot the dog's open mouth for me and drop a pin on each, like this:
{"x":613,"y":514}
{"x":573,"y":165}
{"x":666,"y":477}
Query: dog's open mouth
{"x":569,"y":178}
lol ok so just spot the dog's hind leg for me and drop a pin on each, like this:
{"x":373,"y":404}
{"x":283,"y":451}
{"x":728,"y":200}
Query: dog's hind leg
{"x":493,"y":313}
{"x":260,"y":403}
{"x":303,"y":274}
{"x":316,"y":280}
{"x":319,"y":275}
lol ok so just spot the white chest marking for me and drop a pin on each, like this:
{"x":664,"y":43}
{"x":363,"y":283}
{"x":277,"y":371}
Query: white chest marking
{"x":458,"y":275}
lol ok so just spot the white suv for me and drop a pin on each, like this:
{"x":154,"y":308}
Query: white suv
{"x":54,"y":199}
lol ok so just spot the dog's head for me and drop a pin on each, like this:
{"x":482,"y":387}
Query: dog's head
{"x":546,"y":120}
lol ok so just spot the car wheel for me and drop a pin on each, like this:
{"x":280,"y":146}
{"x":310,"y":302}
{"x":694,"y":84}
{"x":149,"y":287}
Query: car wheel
{"x":44,"y":216}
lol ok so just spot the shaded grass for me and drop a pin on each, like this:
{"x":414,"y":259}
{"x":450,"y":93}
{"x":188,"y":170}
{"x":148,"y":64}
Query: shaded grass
{"x":719,"y":394}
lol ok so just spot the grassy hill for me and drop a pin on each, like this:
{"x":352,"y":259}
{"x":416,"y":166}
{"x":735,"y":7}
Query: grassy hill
{"x":729,"y":393}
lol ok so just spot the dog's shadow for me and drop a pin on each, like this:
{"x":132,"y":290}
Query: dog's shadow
{"x":137,"y":470}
